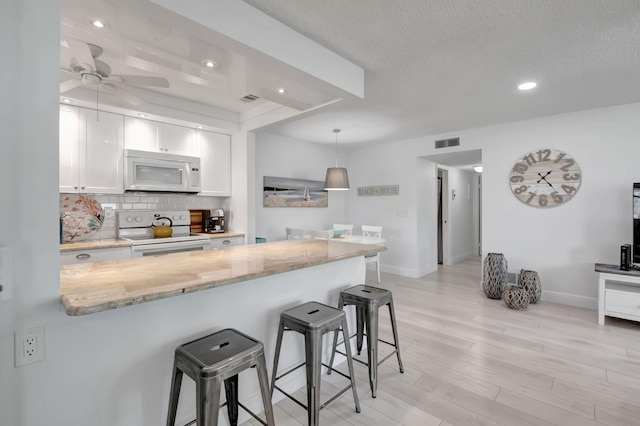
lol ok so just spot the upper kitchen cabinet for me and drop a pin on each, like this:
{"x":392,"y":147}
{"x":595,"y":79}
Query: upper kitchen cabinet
{"x":91,"y":145}
{"x":148,"y":135}
{"x":215,"y":164}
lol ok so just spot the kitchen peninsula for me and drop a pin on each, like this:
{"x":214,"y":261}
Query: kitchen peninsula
{"x":100,"y":286}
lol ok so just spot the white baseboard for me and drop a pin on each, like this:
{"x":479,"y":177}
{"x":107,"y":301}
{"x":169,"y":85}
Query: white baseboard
{"x":408,"y":272}
{"x":570,"y":299}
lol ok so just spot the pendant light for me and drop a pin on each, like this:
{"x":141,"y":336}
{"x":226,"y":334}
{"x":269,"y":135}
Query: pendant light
{"x":337,"y":178}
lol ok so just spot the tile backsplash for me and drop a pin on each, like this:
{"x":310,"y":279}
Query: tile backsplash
{"x":149,"y":201}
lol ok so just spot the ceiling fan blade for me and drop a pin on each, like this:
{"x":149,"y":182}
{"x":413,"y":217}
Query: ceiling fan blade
{"x":141,"y":80}
{"x":79,"y":55}
{"x":124,"y":94}
{"x":69,"y":84}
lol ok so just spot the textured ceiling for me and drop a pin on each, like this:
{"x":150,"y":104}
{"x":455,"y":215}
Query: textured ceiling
{"x":434,"y":66}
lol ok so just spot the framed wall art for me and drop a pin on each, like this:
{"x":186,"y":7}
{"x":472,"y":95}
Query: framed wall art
{"x":288,"y":192}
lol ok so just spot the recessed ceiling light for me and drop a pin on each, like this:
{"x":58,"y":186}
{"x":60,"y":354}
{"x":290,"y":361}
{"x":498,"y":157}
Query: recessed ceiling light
{"x":209,"y":63}
{"x":478,"y":168}
{"x":66,"y":101}
{"x":98,"y":23}
{"x":527,"y":85}
{"x":200,"y":127}
{"x":142,"y":115}
{"x":281,"y":90}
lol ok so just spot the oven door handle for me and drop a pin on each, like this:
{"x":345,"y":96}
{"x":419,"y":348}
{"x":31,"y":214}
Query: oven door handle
{"x":160,"y":247}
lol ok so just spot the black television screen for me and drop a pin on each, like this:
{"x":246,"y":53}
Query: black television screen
{"x":636,"y":223}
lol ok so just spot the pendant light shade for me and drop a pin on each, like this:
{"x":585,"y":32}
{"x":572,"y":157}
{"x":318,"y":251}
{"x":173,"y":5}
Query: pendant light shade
{"x":337,"y":178}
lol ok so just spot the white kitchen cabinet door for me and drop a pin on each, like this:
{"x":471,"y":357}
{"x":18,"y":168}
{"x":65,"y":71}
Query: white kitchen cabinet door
{"x":215,"y":164}
{"x":104,"y":173}
{"x":90,"y":151}
{"x":154,"y":136}
{"x":178,"y":140}
{"x":144,"y":135}
{"x":69,"y":140}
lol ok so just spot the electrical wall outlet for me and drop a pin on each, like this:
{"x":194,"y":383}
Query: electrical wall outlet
{"x":29,"y":346}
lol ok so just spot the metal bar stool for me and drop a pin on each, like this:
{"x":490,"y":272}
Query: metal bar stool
{"x":313,"y":319}
{"x":211,"y":360}
{"x":367,"y":301}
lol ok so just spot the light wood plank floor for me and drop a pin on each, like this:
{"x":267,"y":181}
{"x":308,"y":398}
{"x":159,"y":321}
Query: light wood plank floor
{"x":470,"y":361}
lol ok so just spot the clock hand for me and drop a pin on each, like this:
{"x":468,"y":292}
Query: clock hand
{"x":543,"y":178}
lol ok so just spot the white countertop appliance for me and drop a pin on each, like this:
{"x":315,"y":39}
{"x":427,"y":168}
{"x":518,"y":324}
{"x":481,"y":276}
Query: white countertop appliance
{"x":136,"y":226}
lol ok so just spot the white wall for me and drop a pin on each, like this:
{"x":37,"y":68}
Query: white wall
{"x":283,"y":157}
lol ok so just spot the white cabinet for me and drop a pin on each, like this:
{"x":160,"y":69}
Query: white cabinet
{"x":217,"y":243}
{"x":215,"y":164}
{"x":90,"y":151}
{"x":618,"y":293}
{"x":148,"y":135}
{"x":94,"y":255}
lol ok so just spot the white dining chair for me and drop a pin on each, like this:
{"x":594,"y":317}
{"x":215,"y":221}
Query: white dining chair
{"x":346,"y":229}
{"x":373,"y":231}
{"x":296,"y":233}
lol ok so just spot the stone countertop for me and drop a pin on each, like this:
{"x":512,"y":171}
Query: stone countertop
{"x":117,"y":242}
{"x":94,"y":244}
{"x":95,"y":287}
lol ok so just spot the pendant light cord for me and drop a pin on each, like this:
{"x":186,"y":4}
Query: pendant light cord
{"x":336,"y":131}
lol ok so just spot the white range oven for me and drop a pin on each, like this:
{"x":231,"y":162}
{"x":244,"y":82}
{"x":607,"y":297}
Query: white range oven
{"x":136,"y":226}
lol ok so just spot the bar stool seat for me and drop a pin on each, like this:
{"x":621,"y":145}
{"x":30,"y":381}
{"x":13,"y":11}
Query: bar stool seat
{"x":367,"y":300}
{"x":313,"y":320}
{"x":212,"y":360}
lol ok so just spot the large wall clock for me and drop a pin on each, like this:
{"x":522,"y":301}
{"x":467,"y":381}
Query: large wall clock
{"x":545,"y":178}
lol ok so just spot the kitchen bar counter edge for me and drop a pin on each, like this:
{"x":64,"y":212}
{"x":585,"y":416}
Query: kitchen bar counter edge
{"x":95,"y":287}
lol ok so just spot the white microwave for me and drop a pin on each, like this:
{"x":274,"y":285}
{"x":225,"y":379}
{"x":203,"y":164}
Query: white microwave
{"x":156,"y":171}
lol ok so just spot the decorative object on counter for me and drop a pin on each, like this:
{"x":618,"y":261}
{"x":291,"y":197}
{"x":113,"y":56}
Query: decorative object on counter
{"x":494,"y":275}
{"x":211,"y":361}
{"x":337,"y":178}
{"x":81,"y":216}
{"x":516,"y":297}
{"x":287,"y":192}
{"x":372,"y":191}
{"x":530,"y":281}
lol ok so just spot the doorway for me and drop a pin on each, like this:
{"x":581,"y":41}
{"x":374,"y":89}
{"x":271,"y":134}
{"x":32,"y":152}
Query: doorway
{"x":442,"y":214}
{"x":439,"y":217}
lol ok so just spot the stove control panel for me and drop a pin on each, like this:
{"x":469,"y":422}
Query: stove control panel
{"x":144,"y":218}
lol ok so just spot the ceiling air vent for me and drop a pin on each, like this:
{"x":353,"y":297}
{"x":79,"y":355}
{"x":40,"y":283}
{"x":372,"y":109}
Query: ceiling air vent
{"x":446,"y":143}
{"x":249,"y":98}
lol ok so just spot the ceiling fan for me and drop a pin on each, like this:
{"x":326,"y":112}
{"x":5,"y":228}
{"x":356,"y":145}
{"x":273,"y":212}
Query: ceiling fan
{"x":81,"y":60}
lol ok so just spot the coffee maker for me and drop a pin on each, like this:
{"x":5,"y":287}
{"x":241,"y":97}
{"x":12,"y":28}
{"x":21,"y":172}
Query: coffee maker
{"x":215,"y":223}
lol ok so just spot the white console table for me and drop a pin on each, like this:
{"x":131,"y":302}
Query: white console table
{"x":618,"y":293}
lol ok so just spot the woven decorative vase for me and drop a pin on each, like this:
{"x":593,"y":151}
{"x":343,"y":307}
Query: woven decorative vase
{"x":516,"y":297}
{"x":530,"y":281}
{"x":494,"y":275}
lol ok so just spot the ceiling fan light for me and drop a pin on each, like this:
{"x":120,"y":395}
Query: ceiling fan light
{"x":337,"y":179}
